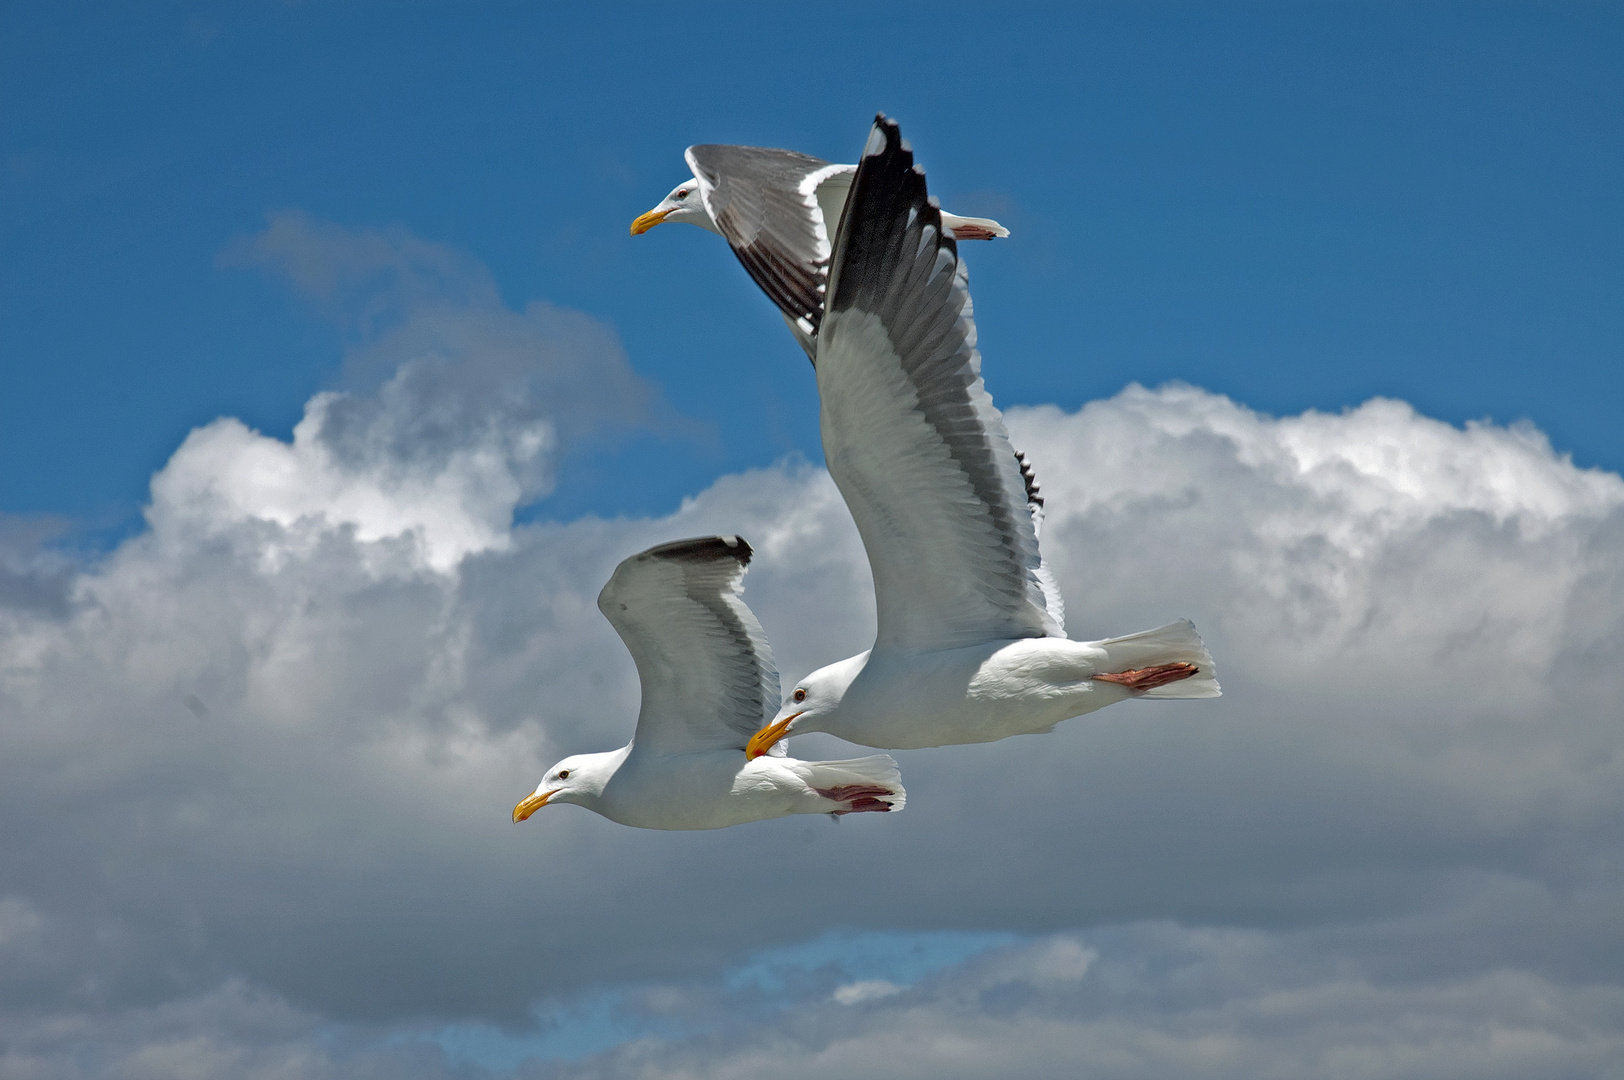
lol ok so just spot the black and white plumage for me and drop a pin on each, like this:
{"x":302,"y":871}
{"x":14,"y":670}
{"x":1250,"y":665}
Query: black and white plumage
{"x":708,"y":682}
{"x":778,"y":210}
{"x":911,"y":435}
{"x":970,"y":644}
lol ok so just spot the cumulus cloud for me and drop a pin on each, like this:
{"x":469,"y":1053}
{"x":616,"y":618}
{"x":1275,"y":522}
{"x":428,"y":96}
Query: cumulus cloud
{"x":226,"y":474}
{"x":1157,"y":1001}
{"x":1389,"y":850}
{"x":1146,"y":1000}
{"x":31,"y":574}
{"x":449,"y":385}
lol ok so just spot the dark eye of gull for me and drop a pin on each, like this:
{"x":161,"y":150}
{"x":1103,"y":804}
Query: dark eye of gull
{"x":563,"y":774}
{"x":800,"y":695}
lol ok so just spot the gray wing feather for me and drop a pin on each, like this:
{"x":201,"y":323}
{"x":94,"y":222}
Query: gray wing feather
{"x":707,"y":672}
{"x":910,"y":433}
{"x":765,"y":203}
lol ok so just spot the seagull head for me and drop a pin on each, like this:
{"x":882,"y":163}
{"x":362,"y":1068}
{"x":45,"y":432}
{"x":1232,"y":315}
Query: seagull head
{"x":683,"y":204}
{"x":579,"y":779}
{"x":810,"y":705}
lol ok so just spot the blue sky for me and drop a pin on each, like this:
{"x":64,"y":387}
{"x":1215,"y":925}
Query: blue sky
{"x":1295,"y":205}
{"x":335,"y":388}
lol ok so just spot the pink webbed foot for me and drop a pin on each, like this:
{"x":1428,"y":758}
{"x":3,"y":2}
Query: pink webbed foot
{"x":973,"y":232}
{"x":1141,"y":679}
{"x":859,"y":798}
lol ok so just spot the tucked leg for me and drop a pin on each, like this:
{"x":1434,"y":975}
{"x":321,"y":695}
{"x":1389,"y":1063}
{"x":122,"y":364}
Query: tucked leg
{"x":859,"y":798}
{"x":1142,"y":679}
{"x":973,"y":232}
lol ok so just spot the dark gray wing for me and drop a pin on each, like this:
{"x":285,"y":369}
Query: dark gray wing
{"x":910,"y":434}
{"x":708,"y":677}
{"x":765,"y":202}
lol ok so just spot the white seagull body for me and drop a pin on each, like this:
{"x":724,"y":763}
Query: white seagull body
{"x":779,"y":211}
{"x":708,"y":682}
{"x":971,"y":643}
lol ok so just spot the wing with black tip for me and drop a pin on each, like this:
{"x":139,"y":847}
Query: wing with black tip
{"x":910,"y":433}
{"x":765,"y":202}
{"x":707,"y":672}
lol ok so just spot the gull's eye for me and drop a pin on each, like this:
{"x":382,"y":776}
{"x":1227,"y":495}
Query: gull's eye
{"x":682,"y":193}
{"x":800,"y":696}
{"x":563,"y":774}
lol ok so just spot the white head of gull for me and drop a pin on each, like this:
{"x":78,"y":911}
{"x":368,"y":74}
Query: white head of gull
{"x":971,"y":643}
{"x":708,"y":682}
{"x":778,"y":210}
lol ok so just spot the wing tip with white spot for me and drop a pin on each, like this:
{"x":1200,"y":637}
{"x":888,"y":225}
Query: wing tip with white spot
{"x":1029,"y":476}
{"x":703,"y":549}
{"x":889,"y":197}
{"x":885,"y":132}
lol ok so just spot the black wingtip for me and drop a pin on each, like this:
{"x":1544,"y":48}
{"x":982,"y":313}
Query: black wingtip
{"x":889,"y":197}
{"x":1034,"y":494}
{"x":704,"y":549}
{"x":885,"y":134}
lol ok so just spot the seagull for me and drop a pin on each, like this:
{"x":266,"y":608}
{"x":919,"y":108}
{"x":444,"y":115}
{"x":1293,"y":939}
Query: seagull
{"x":779,"y":210}
{"x":708,"y":681}
{"x":971,"y":644}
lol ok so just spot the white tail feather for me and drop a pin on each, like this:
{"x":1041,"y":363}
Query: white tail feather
{"x":1174,"y":643}
{"x":877,"y":771}
{"x":973,"y":228}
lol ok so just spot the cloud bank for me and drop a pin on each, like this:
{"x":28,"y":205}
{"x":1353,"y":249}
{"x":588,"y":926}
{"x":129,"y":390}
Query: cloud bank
{"x":256,"y":764}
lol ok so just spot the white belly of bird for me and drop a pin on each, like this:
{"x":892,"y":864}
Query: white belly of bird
{"x":990,"y":691}
{"x":703,"y":790}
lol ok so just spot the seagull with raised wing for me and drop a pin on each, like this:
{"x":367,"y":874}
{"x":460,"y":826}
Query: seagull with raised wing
{"x":778,"y":210}
{"x":708,"y":682}
{"x":971,"y":643}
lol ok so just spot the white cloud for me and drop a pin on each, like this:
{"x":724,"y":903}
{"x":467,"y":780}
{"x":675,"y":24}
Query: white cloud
{"x":225,"y":475}
{"x":1418,"y":755}
{"x":1155,"y":1000}
{"x":854,"y":993}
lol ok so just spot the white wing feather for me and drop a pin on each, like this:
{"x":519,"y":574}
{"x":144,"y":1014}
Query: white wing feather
{"x":707,"y":672}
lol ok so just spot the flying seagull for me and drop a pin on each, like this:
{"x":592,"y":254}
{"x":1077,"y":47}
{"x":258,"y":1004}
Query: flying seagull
{"x":708,"y":681}
{"x":779,"y":211}
{"x":971,"y":643}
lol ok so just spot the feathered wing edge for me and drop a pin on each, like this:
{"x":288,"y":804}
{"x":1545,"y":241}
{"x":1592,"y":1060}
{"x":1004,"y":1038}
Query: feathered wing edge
{"x":764,"y":202}
{"x":1052,"y":600}
{"x":893,"y":263}
{"x":706,"y":669}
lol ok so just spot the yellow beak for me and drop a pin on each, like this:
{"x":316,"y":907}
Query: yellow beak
{"x":644,"y":222}
{"x":531,"y":805}
{"x":762,"y":741}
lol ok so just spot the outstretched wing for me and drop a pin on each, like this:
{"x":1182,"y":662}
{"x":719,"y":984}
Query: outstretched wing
{"x":765,"y":202}
{"x":708,"y":677}
{"x":910,"y":434}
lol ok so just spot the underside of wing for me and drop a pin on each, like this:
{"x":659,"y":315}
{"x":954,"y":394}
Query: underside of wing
{"x":765,"y":203}
{"x":707,"y":673}
{"x":910,"y":434}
